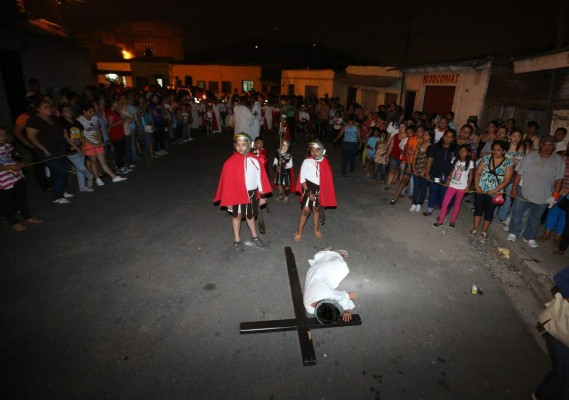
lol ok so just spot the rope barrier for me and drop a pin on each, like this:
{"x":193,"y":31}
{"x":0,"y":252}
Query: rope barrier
{"x":71,"y":153}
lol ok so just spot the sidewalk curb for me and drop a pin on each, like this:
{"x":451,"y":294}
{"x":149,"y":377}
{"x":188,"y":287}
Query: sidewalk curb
{"x":531,"y":270}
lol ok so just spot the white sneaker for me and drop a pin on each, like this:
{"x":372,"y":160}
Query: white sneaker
{"x":511,"y":237}
{"x":63,"y":200}
{"x":418,"y":208}
{"x":413,"y":208}
{"x":190,"y":139}
{"x":531,"y":243}
{"x":131,"y":166}
{"x":119,"y":179}
{"x":86,"y":189}
{"x":100,"y":182}
{"x":68,"y":195}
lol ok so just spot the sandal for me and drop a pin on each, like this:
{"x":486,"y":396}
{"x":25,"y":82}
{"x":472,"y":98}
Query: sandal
{"x":318,"y":234}
{"x":427,"y":213}
{"x":484,"y":237}
{"x":297,"y":236}
{"x":34,"y":220}
{"x":473,"y":232}
{"x":19,"y":227}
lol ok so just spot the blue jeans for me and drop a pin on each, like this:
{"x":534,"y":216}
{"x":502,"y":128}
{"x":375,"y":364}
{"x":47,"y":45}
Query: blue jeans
{"x":419,"y":189}
{"x":555,"y":220}
{"x":130,"y":149}
{"x":436,"y":195}
{"x":58,"y":171}
{"x":81,"y":170}
{"x":555,"y":385}
{"x":349,"y":153}
{"x":504,"y":210}
{"x":535,"y":212}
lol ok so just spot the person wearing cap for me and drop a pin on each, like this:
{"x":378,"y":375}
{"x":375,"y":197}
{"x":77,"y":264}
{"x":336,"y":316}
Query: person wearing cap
{"x":555,"y":385}
{"x":316,"y":187}
{"x":321,"y":297}
{"x":542,"y":172}
{"x":242,"y":181}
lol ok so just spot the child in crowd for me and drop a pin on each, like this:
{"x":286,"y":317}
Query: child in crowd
{"x":316,"y":186}
{"x":458,"y":183}
{"x":13,"y":187}
{"x":185,"y":112}
{"x":241,"y":184}
{"x":380,"y":158}
{"x":260,"y":151}
{"x":370,"y":156}
{"x":284,"y":172}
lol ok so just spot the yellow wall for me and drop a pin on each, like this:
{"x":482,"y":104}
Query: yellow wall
{"x":300,"y":78}
{"x":470,"y":92}
{"x":218,"y":73}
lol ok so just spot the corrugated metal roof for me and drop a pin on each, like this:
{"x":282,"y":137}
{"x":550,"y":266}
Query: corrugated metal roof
{"x":366,"y":80}
{"x":44,"y":26}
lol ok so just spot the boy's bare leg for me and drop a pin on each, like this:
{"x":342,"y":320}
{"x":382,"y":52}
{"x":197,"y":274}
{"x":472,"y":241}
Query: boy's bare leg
{"x":316,"y":220}
{"x":236,"y":222}
{"x":303,"y":217}
{"x":252,"y":226}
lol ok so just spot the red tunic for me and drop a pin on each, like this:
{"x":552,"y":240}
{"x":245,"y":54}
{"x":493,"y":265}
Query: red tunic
{"x":327,"y":196}
{"x":231,"y":189}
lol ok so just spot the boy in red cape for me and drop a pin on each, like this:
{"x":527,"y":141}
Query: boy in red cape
{"x":316,"y":186}
{"x":243,"y":180}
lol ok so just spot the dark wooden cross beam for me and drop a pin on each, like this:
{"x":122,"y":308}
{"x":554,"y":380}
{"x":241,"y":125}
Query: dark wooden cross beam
{"x":302,"y":324}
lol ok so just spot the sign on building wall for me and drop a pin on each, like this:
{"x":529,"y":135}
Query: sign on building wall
{"x":440,"y":79}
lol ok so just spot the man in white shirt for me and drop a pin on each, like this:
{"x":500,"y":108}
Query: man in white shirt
{"x":442,"y":127}
{"x":327,"y":270}
{"x":242,"y":116}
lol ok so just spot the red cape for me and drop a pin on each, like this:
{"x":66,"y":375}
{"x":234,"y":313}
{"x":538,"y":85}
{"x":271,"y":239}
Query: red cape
{"x":231,"y":189}
{"x":327,"y":191}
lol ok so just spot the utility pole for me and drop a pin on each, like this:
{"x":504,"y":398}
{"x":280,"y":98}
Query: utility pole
{"x":559,"y":42}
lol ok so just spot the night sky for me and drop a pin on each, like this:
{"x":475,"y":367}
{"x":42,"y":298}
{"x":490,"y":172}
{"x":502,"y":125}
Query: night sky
{"x":439,"y":30}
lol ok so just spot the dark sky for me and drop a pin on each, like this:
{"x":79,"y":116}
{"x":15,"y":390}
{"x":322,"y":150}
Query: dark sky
{"x":439,"y":30}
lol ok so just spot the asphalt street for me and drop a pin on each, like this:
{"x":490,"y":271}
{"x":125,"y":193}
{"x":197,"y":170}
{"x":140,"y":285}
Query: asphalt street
{"x":134,"y":291}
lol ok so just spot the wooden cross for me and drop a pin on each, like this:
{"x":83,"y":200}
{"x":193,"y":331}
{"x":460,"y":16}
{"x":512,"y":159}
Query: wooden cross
{"x":302,"y":324}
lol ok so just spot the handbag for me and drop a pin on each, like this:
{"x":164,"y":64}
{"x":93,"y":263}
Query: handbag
{"x":147,"y":128}
{"x":555,"y":318}
{"x":498,"y":199}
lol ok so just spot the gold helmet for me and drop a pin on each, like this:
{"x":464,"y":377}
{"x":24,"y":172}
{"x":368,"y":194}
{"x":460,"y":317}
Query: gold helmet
{"x":320,"y":149}
{"x":243,"y":137}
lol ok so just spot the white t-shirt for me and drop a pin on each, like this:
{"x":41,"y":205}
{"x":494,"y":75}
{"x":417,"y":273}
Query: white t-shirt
{"x":459,"y":178}
{"x":310,"y":171}
{"x":438,"y":135}
{"x":253,"y":174}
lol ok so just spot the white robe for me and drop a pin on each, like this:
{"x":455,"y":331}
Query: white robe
{"x":268,"y":114}
{"x":196,"y":120}
{"x":327,"y":270}
{"x":217,"y":117}
{"x":242,"y":118}
{"x":257,"y":120}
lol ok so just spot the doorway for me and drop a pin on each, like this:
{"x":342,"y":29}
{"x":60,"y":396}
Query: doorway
{"x":438,"y":99}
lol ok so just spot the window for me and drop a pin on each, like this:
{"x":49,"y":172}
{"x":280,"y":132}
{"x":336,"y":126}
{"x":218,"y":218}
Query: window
{"x":226,"y":86}
{"x":390,"y":98}
{"x":143,"y":31}
{"x":213,"y":87}
{"x":247,"y":85}
{"x":201,"y":84}
{"x":290,"y":90}
{"x":311,"y":92}
{"x":143,"y":46}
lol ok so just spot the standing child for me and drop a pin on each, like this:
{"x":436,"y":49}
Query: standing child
{"x":241,"y":184}
{"x":260,"y":151}
{"x":380,"y":159}
{"x":13,"y":187}
{"x":282,"y":164}
{"x":185,"y":112}
{"x":370,"y":155}
{"x":458,"y":183}
{"x":316,"y":186}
